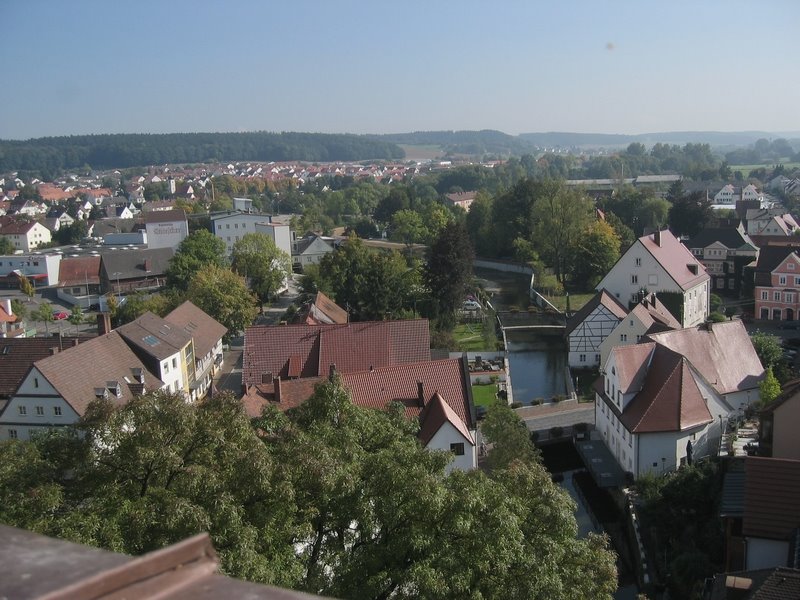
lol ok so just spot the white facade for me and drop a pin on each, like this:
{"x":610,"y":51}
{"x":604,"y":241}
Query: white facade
{"x":766,"y":554}
{"x":585,"y":340}
{"x":166,"y":234}
{"x":628,"y":331}
{"x":232,"y":227}
{"x":32,"y":264}
{"x":450,"y":439}
{"x":35,"y":407}
{"x":171,"y":372}
{"x":34,"y":237}
{"x":280,"y":234}
{"x":726,"y":196}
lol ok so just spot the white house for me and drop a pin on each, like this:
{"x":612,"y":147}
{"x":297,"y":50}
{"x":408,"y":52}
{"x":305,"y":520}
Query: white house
{"x":669,"y":397}
{"x":727,"y":196}
{"x":659,"y":263}
{"x":26,"y":236}
{"x":58,"y":389}
{"x":166,"y":229}
{"x":309,"y":250}
{"x":41,"y":269}
{"x":590,"y":326}
{"x":280,"y":234}
{"x":232,"y":226}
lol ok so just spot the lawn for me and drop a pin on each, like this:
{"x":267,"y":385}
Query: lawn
{"x":484,"y":395}
{"x":469,"y":337}
{"x":745,"y":169}
{"x":576,"y":301}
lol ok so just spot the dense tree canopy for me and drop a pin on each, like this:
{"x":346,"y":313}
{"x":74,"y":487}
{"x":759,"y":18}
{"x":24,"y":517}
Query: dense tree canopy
{"x":197,"y":250}
{"x":448,"y":271}
{"x":223,"y":294}
{"x":329,"y":498}
{"x":256,"y":257}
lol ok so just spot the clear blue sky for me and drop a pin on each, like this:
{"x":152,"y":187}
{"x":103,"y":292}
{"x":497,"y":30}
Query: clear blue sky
{"x":113,"y":66}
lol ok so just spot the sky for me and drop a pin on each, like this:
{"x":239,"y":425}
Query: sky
{"x":342,"y":66}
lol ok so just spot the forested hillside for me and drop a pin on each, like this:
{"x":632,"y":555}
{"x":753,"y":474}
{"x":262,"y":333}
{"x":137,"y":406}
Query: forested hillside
{"x":133,"y":150}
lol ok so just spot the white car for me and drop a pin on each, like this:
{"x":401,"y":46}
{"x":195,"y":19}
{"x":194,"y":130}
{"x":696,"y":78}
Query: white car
{"x":470,"y":305}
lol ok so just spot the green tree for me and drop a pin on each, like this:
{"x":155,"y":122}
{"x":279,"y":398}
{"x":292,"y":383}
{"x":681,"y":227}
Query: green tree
{"x":76,"y":316}
{"x":6,"y":246}
{"x":560,"y":218}
{"x":448,"y":272}
{"x":72,"y":234}
{"x":689,"y":214}
{"x":768,"y":348}
{"x":19,"y":309}
{"x":769,"y":388}
{"x":197,"y":250}
{"x":509,"y":437}
{"x":407,"y":227}
{"x":26,"y":287}
{"x":223,"y":295}
{"x":256,"y":257}
{"x":139,"y":303}
{"x":597,"y":251}
{"x":44,"y":314}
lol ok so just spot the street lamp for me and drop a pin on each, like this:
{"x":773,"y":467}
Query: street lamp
{"x":117,"y":274}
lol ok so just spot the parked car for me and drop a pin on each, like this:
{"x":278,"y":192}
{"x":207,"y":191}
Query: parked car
{"x":471,"y":305}
{"x":59,"y":315}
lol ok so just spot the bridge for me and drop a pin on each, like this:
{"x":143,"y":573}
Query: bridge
{"x":521,"y":320}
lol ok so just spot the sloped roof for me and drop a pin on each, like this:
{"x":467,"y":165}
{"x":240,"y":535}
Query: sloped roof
{"x":631,"y":364}
{"x":164,"y":216}
{"x":332,"y":311}
{"x":601,"y":298}
{"x":18,"y":354}
{"x":79,"y":271}
{"x":18,"y":227}
{"x":204,"y":329}
{"x":675,"y":258}
{"x":155,"y":336}
{"x":655,"y":316}
{"x":130,"y":264}
{"x":351,"y":347}
{"x":771,"y":493}
{"x":77,"y":371}
{"x":721,"y":352}
{"x":670,"y":399}
{"x":436,"y":413}
{"x":5,"y":317}
{"x":769,"y":257}
{"x":730,"y":237}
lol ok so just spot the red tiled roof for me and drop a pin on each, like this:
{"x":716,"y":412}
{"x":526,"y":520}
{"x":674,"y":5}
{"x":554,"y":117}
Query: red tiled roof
{"x":6,"y":317}
{"x":76,"y":372}
{"x":329,"y":308}
{"x":204,"y":329}
{"x":670,"y":399}
{"x":351,"y":347}
{"x":79,"y":271}
{"x":18,"y":354}
{"x":721,"y":352}
{"x":771,"y":497}
{"x":631,"y":364}
{"x":675,"y":258}
{"x":436,"y":413}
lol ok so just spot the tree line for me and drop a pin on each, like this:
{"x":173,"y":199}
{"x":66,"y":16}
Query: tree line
{"x":106,"y":151}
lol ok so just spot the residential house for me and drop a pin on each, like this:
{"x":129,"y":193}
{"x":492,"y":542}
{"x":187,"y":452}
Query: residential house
{"x":123,"y":271}
{"x":207,"y":336}
{"x":164,"y":348}
{"x":759,"y":584}
{"x":659,"y":263}
{"x":243,"y":204}
{"x":770,"y":222}
{"x":58,"y":388}
{"x":298,"y":351}
{"x":463,"y":200}
{"x":279,"y":234}
{"x":166,"y":229}
{"x":649,"y":316}
{"x":763,"y":524}
{"x":588,"y":328}
{"x":727,"y":196}
{"x":322,"y":311}
{"x":777,"y":283}
{"x":26,"y":236}
{"x":777,"y":434}
{"x":438,"y":393}
{"x":233,"y":225}
{"x":667,"y":398}
{"x":10,"y":325}
{"x":61,"y":215}
{"x":724,"y":252}
{"x":118,"y":211}
{"x":79,"y":281}
{"x":309,"y":250}
{"x":27,"y":207}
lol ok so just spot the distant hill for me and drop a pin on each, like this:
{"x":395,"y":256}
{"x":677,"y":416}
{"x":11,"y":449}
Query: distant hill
{"x":53,"y":154}
{"x":714,"y":138}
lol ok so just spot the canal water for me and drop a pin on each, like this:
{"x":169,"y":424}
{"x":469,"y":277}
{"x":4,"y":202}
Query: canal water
{"x":538,"y":366}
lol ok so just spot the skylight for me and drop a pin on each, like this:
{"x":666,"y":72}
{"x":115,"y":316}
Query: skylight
{"x":151,"y":340}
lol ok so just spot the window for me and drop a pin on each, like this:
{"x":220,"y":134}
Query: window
{"x":22,"y":410}
{"x":166,"y":367}
{"x":631,"y":322}
{"x":12,"y":434}
{"x":797,"y":280}
{"x":174,"y":363}
{"x":638,"y":262}
{"x":720,"y":283}
{"x":634,"y":279}
{"x":790,"y":266}
{"x":36,"y":382}
{"x":57,"y":411}
{"x":765,"y":295}
{"x":619,"y":400}
{"x":776,"y":296}
{"x":582,"y":358}
{"x":457,"y":449}
{"x":40,"y":411}
{"x":782,"y":280}
{"x":623,"y":337}
{"x":788,"y":297}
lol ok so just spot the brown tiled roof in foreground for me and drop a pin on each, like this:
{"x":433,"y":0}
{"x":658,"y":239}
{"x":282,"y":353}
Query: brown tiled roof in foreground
{"x":155,"y":336}
{"x":76,"y":372}
{"x":329,"y":308}
{"x":204,"y":329}
{"x":631,"y":364}
{"x":18,"y":354}
{"x":771,"y":497}
{"x":81,"y":270}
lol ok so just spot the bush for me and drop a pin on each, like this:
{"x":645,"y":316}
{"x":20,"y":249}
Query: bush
{"x":502,"y":394}
{"x":717,"y":317}
{"x":555,"y":432}
{"x":558,"y":398}
{"x":516,"y":405}
{"x":534,"y":436}
{"x":714,"y":302}
{"x":537,"y":401}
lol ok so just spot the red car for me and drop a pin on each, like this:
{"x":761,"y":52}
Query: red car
{"x":59,"y":314}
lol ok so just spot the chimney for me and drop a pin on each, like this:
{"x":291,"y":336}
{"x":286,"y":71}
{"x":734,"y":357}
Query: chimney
{"x":103,"y":323}
{"x":53,"y":351}
{"x":332,"y":371}
{"x":7,"y":306}
{"x":75,"y":342}
{"x":657,"y":237}
{"x":276,"y":384}
{"x":421,"y":394}
{"x":148,"y":265}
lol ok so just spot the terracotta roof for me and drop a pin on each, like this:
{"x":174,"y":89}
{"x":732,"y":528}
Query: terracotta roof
{"x":670,"y":399}
{"x":155,"y":336}
{"x":76,"y":372}
{"x":6,"y":317}
{"x":436,"y":413}
{"x":380,"y":386}
{"x":631,"y":365}
{"x":652,"y":312}
{"x":721,"y":352}
{"x":332,"y":311}
{"x":163,"y":216}
{"x":18,"y":354}
{"x":675,"y":258}
{"x":601,"y":298}
{"x":351,"y":347}
{"x":79,"y":271}
{"x":18,"y":227}
{"x":204,"y":329}
{"x":769,"y":257}
{"x":771,"y":493}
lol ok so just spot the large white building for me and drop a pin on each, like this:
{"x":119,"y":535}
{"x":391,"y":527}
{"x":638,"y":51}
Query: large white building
{"x":232,"y":226}
{"x":659,"y":263}
{"x":26,"y":236}
{"x":166,"y":228}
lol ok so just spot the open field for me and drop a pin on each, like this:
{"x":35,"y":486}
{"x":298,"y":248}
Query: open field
{"x":576,"y":301}
{"x":421,"y":152}
{"x":745,"y":169}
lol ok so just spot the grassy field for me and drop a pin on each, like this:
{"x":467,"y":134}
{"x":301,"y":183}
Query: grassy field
{"x":484,"y":395}
{"x":576,"y":301}
{"x":469,"y":337}
{"x":421,"y":152}
{"x":745,"y":169}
